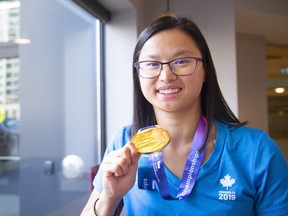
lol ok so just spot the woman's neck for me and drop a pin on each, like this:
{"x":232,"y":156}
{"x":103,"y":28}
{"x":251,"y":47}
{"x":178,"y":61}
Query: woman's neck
{"x":181,"y":126}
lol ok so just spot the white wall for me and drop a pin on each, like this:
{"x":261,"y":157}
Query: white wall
{"x":120,"y":40}
{"x":252,"y":80}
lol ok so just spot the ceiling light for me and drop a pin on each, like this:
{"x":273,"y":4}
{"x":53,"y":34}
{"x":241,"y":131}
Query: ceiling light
{"x":168,"y":12}
{"x":22,"y":41}
{"x":279,"y":90}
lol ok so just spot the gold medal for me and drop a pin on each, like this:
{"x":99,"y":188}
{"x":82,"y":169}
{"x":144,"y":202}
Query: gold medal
{"x":151,"y":139}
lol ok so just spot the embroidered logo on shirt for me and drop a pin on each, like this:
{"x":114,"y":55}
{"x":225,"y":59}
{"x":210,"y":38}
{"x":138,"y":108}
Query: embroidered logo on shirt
{"x":227,"y":182}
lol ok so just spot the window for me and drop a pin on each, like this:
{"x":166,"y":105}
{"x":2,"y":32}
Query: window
{"x":57,"y":119}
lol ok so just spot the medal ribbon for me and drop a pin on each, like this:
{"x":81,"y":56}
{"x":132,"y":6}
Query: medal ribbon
{"x":191,"y":168}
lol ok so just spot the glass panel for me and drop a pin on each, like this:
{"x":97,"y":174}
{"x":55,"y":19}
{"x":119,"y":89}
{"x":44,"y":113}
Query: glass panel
{"x":47,"y":152}
{"x":9,"y":20}
{"x":9,"y":109}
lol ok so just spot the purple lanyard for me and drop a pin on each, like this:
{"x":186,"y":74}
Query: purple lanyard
{"x":191,"y":168}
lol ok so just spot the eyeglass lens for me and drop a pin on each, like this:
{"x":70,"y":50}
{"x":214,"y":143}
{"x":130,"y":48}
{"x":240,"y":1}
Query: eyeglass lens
{"x":181,"y":67}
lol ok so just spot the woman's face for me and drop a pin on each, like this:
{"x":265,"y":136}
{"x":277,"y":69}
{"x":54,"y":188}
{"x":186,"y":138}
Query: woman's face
{"x":169,"y":92}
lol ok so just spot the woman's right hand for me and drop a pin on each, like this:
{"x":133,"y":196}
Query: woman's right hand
{"x":118,"y":177}
{"x":119,"y":171}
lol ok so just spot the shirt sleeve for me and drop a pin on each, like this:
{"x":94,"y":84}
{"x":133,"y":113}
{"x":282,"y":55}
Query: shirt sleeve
{"x":271,"y":178}
{"x":118,"y":141}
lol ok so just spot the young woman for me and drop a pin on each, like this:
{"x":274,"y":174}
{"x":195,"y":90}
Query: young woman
{"x":213,"y":165}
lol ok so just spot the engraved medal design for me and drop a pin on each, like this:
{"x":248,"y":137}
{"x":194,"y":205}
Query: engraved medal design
{"x":151,"y":139}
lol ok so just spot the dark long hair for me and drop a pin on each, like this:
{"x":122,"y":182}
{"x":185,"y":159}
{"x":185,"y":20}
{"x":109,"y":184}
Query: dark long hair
{"x":213,"y":104}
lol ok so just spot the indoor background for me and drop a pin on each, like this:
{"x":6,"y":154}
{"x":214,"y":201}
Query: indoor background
{"x":67,"y":89}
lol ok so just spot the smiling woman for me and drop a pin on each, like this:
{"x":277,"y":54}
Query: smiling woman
{"x":206,"y":161}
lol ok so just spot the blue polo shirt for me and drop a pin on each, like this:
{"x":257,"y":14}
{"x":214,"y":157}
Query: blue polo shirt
{"x":246,"y":174}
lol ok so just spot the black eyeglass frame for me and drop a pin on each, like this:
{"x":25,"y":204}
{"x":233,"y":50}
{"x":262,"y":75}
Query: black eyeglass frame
{"x":197,"y":59}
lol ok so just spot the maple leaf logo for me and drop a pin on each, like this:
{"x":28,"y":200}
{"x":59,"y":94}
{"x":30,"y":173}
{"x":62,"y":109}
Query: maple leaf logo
{"x":227,"y":181}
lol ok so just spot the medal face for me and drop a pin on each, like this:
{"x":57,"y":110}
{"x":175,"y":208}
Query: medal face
{"x":151,"y":139}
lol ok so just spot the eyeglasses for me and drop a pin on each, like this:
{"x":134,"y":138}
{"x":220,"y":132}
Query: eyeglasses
{"x":181,"y":67}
